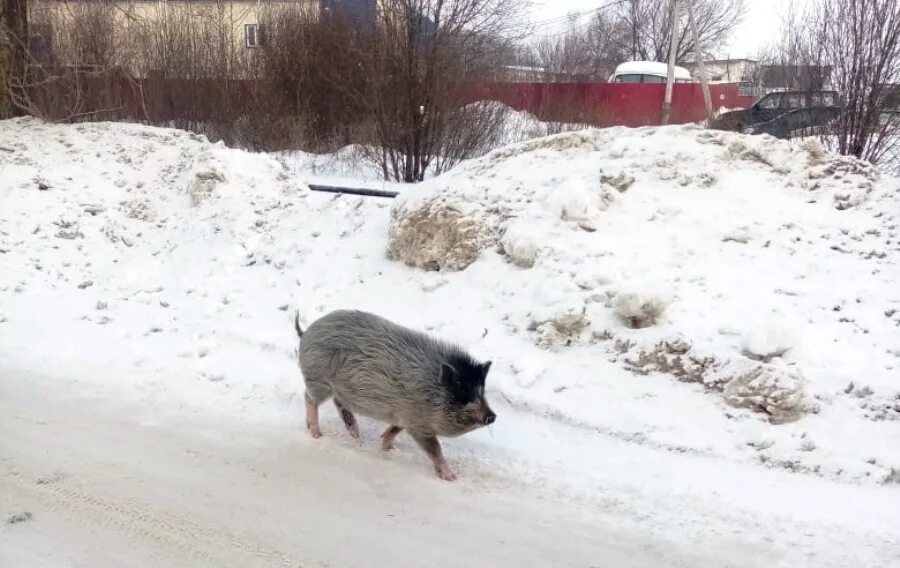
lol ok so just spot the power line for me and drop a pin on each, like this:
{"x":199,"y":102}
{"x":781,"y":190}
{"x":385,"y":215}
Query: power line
{"x":575,"y":16}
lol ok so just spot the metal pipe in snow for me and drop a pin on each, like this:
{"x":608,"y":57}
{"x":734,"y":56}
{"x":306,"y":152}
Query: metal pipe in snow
{"x":353,"y":190}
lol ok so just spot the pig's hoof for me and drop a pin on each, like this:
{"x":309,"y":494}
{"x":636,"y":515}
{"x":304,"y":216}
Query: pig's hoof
{"x":354,"y":431}
{"x":315,"y":432}
{"x":387,"y":445}
{"x":445,"y":474}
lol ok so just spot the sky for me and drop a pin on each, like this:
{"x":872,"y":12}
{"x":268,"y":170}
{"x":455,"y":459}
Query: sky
{"x":759,"y":26}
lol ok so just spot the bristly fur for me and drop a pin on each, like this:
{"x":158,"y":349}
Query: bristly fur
{"x":388,"y":372}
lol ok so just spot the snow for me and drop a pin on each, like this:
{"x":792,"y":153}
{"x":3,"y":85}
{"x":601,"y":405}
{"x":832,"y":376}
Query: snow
{"x":718,"y":236}
{"x":654,"y":68}
{"x":153,"y":275}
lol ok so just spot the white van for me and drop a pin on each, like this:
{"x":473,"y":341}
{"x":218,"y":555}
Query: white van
{"x":648,"y":72}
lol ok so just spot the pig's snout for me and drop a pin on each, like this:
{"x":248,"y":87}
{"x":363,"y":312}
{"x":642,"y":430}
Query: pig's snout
{"x":489,"y":418}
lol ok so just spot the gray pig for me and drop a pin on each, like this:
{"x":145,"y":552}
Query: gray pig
{"x":405,"y":378}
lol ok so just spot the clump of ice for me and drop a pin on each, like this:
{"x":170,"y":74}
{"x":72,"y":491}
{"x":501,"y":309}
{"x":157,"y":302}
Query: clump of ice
{"x":205,"y":177}
{"x":816,"y":151}
{"x":620,"y":181}
{"x":639,"y":309}
{"x":520,"y":244}
{"x":767,"y":342}
{"x":562,"y":330}
{"x":776,"y":390}
{"x":436,"y":234}
{"x":581,"y":203}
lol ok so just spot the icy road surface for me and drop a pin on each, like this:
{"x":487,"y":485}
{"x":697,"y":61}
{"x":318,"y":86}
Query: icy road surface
{"x":107,"y":485}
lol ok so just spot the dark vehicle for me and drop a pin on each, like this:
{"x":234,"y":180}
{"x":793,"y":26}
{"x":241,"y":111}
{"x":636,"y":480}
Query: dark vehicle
{"x":785,"y":114}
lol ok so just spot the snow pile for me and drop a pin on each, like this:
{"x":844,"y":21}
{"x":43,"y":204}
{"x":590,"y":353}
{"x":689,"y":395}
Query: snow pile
{"x":713,"y":221}
{"x":615,"y":277}
{"x":436,"y":235}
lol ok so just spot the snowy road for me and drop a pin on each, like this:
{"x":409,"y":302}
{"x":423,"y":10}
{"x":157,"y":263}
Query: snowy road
{"x":106,"y":490}
{"x":113,"y":485}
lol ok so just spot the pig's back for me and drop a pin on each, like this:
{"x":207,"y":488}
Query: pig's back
{"x":375,"y":367}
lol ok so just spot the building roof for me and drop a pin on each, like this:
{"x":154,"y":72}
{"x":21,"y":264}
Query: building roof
{"x":720,"y":61}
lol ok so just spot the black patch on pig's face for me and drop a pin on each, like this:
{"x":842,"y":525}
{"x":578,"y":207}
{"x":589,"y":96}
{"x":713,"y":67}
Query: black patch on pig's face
{"x":464,"y":378}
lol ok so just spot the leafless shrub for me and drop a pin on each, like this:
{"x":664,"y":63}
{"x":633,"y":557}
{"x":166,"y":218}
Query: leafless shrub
{"x":413,"y":64}
{"x":317,"y":81}
{"x":13,"y":26}
{"x":853,"y":45}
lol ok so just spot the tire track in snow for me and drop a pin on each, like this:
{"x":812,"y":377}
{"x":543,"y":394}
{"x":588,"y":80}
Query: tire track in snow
{"x":164,"y":532}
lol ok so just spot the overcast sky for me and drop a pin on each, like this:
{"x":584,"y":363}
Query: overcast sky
{"x":759,"y":26}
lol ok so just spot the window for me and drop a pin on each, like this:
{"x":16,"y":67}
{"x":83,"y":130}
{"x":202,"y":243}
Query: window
{"x":252,"y":35}
{"x":40,"y":47}
{"x":770,"y":102}
{"x":639,"y":78}
{"x":822,"y":99}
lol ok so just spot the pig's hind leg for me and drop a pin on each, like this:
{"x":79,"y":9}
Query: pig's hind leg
{"x":348,"y":418}
{"x":387,"y":439}
{"x":429,"y":443}
{"x":316,"y":394}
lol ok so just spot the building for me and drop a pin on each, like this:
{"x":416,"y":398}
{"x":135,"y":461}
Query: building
{"x":726,"y":70}
{"x":794,"y":77}
{"x":755,"y":78}
{"x":67,"y":33}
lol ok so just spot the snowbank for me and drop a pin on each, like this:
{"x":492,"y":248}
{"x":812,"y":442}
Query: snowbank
{"x":733,"y":231}
{"x":155,"y":260}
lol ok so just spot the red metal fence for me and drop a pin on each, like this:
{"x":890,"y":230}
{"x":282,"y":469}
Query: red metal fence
{"x":199,"y":103}
{"x":608,"y":104}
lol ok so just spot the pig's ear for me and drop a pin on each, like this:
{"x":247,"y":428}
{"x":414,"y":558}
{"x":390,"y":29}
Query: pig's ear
{"x":448,"y":375}
{"x":485,"y":367}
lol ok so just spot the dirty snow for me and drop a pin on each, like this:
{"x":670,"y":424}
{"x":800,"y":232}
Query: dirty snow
{"x":723,"y":258}
{"x":722,"y":309}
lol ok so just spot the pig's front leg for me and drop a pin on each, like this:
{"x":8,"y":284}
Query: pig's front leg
{"x":429,"y":443}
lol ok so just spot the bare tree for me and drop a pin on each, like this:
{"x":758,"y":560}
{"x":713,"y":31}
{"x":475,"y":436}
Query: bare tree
{"x":602,"y":43}
{"x":855,"y":46}
{"x":564,"y":53}
{"x":861,"y":40}
{"x":793,"y":61}
{"x":583,"y":51}
{"x":643,"y":28}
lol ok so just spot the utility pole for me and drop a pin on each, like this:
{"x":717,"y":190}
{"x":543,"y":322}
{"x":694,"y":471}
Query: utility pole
{"x":707,"y":99}
{"x":670,"y":73}
{"x":13,"y":39}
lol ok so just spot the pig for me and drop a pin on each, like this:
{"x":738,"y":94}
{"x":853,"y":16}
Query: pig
{"x":375,"y":368}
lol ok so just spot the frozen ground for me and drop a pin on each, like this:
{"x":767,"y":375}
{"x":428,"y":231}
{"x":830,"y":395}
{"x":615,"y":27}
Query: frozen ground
{"x":150,"y":403}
